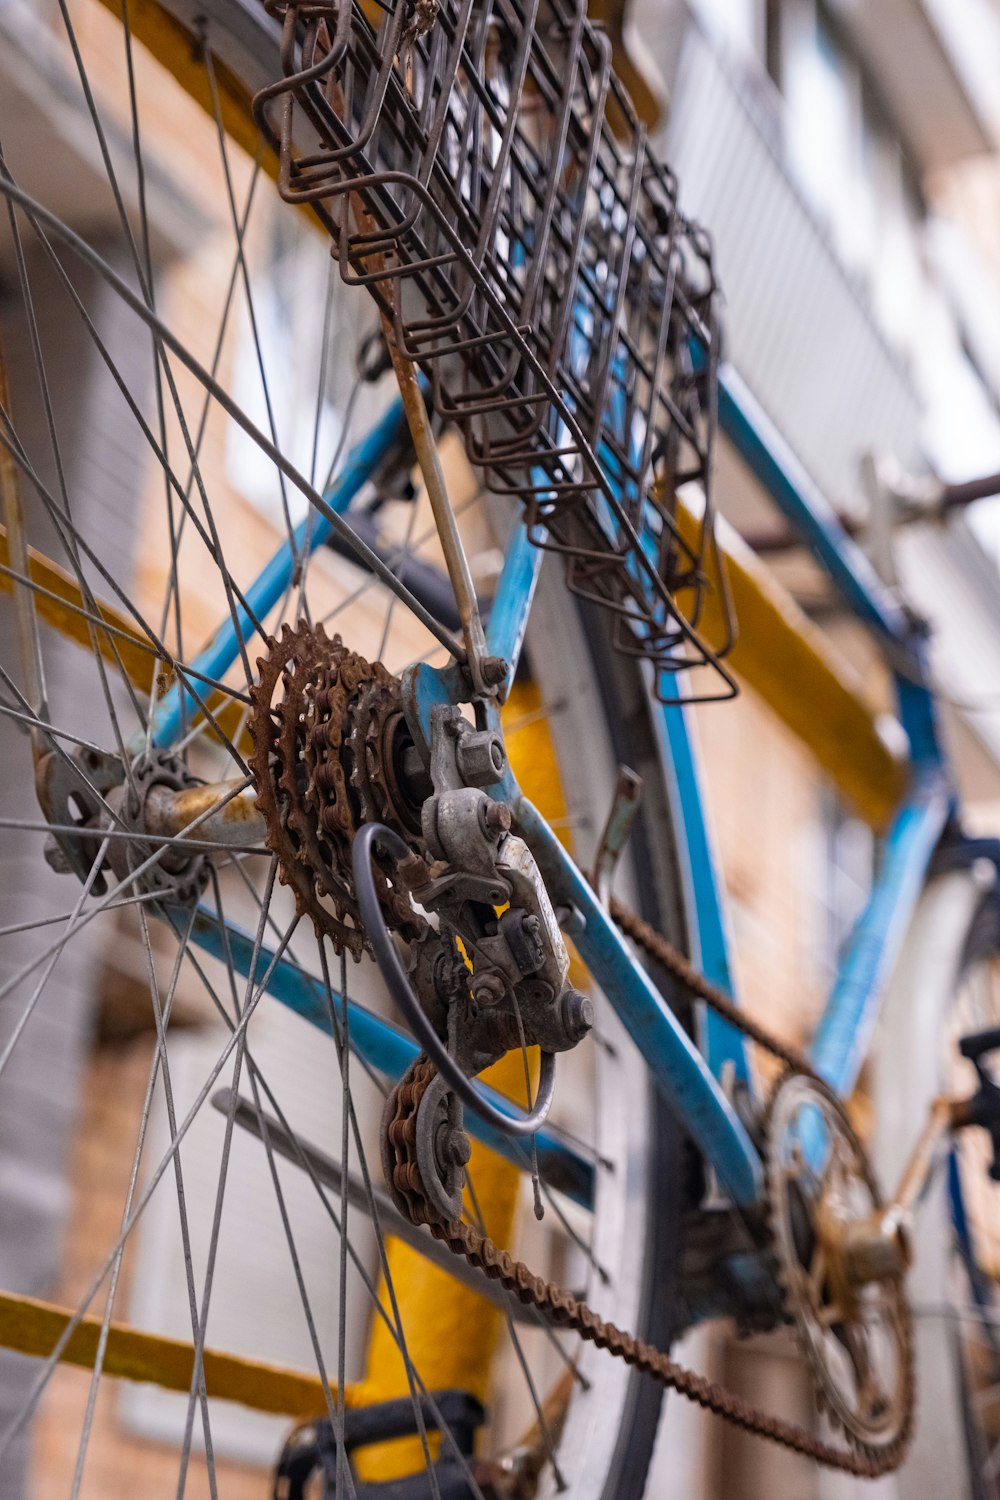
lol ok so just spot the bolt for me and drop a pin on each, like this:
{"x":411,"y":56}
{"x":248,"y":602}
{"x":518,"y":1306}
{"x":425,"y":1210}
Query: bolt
{"x":497,"y":817}
{"x":577,"y":1015}
{"x":488,"y":989}
{"x":494,"y":670}
{"x":457,"y":1148}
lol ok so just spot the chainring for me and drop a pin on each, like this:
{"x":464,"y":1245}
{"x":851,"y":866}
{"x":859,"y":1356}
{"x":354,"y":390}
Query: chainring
{"x":858,"y":1347}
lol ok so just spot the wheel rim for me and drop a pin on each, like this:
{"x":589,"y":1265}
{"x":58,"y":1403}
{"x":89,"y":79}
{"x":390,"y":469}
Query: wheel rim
{"x":122,"y":712}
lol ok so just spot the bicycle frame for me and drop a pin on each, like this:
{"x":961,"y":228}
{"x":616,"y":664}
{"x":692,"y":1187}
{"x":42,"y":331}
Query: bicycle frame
{"x":690,"y":1073}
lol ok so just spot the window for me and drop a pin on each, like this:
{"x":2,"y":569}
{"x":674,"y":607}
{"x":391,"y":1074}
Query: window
{"x":829,"y":141}
{"x":300,"y":304}
{"x":739,"y":22}
{"x":849,"y":851}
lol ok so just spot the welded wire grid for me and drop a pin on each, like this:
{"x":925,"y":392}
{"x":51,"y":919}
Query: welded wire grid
{"x":483,"y":174}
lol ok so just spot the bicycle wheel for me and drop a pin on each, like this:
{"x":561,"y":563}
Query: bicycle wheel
{"x":226,"y":1234}
{"x":947,"y":988}
{"x":972,"y":1194}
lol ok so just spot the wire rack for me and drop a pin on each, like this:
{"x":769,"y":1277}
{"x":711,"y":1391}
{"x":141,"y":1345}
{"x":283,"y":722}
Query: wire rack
{"x":482,"y":172}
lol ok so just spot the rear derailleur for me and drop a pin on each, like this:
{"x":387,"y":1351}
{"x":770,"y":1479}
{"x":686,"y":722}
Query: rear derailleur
{"x":489,"y":970}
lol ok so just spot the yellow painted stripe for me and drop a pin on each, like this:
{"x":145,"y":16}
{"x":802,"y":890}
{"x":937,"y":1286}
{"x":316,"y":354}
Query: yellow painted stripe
{"x":788,"y":660}
{"x":59,"y":602}
{"x":30,"y":1326}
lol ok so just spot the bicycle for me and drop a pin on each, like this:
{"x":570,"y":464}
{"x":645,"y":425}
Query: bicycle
{"x":482,"y":173}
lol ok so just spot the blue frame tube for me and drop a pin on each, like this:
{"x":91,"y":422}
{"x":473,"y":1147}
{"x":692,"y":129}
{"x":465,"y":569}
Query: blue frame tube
{"x":508,"y":619}
{"x":272,"y":582}
{"x":849,"y":1017}
{"x":722,"y":1043}
{"x":675,"y":1062}
{"x":384,"y":1047}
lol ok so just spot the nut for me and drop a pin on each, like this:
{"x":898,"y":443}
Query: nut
{"x":488,"y":989}
{"x":457,"y":1148}
{"x":577,"y":1015}
{"x":480,"y":757}
{"x":494,"y":670}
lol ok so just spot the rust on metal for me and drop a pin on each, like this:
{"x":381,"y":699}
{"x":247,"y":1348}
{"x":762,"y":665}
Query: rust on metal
{"x":227,"y":811}
{"x":527,"y":247}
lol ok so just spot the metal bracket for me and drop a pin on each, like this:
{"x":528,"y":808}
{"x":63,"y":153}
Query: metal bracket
{"x":311,"y":1450}
{"x":617,"y":830}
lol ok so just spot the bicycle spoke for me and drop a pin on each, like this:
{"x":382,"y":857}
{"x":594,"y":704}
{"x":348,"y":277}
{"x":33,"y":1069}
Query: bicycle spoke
{"x":248,"y":292}
{"x":205,"y":532}
{"x":38,"y":214}
{"x":203,"y":577}
{"x":390,"y":1315}
{"x":188,"y":675}
{"x":147,"y":260}
{"x":130,"y":1193}
{"x":512,"y":1334}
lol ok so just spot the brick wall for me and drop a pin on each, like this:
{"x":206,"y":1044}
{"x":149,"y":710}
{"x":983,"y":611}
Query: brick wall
{"x":118,"y":1466}
{"x":764,"y":798}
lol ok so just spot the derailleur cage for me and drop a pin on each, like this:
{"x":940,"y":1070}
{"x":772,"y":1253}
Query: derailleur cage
{"x":486,"y":890}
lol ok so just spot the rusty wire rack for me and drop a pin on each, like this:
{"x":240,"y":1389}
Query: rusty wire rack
{"x":482,"y":172}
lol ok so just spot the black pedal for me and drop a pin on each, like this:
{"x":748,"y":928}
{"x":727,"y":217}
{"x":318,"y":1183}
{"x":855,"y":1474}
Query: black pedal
{"x":310,"y":1452}
{"x":984,"y":1107}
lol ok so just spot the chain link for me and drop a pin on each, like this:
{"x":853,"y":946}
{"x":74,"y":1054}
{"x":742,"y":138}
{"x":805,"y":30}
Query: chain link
{"x":563,"y":1310}
{"x":318,"y":676}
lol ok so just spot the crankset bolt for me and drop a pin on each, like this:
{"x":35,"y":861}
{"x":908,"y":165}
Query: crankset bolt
{"x":577,"y":1014}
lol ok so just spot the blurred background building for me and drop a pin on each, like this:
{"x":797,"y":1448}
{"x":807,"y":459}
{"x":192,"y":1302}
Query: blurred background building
{"x":843,"y":155}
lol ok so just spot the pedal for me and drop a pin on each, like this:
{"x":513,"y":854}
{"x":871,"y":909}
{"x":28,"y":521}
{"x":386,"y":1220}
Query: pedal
{"x":984,"y":1107}
{"x":308,"y":1462}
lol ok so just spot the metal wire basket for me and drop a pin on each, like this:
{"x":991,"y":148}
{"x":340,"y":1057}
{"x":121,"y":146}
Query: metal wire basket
{"x":483,"y":174}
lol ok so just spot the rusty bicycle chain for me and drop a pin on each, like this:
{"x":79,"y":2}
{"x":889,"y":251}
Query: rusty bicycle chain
{"x":563,"y":1310}
{"x":674,"y":962}
{"x":309,"y":834}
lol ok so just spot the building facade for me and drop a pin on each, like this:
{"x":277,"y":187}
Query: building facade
{"x":845,"y":168}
